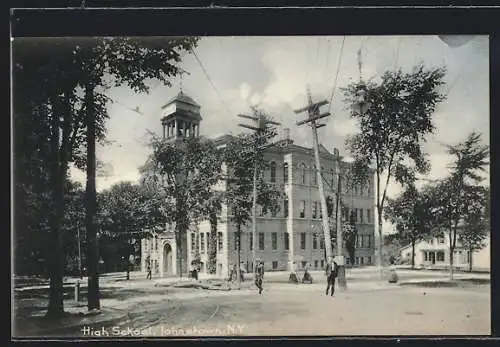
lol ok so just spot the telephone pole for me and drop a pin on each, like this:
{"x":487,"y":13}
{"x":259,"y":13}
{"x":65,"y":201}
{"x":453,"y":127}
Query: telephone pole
{"x":260,"y":128}
{"x":313,"y":115}
{"x":340,"y":232}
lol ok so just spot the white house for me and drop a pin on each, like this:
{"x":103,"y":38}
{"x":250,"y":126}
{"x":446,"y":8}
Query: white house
{"x":435,"y":253}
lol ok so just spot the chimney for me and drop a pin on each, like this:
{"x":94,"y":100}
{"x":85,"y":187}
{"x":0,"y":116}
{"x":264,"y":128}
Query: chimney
{"x":286,"y":134}
{"x":336,"y":152}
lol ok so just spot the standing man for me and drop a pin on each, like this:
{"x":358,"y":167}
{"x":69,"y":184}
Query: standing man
{"x":331,"y":275}
{"x":148,"y":267}
{"x":259,"y":275}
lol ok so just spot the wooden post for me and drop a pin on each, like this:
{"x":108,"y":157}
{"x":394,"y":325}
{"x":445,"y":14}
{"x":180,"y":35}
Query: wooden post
{"x":314,"y":115}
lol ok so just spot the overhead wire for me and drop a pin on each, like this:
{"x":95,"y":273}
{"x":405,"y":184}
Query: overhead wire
{"x":210,"y":80}
{"x":339,"y":62}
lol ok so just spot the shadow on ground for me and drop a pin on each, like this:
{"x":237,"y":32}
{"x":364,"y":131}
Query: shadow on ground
{"x":458,"y":283}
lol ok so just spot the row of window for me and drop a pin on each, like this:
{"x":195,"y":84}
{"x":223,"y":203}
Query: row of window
{"x":328,"y":176}
{"x":201,"y":242}
{"x":434,"y":256}
{"x":362,"y":241}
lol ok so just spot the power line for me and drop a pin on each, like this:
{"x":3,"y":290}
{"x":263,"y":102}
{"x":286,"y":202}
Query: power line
{"x":210,"y":80}
{"x":397,"y":53}
{"x":337,"y":73}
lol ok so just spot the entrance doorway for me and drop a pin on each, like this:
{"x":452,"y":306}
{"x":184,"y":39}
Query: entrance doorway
{"x":167,"y":260}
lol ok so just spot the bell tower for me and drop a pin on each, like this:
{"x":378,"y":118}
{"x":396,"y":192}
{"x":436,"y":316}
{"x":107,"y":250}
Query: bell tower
{"x":181,"y":118}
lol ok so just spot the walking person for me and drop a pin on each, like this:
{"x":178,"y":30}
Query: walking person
{"x":259,"y":275}
{"x":148,"y":269}
{"x":331,"y":275}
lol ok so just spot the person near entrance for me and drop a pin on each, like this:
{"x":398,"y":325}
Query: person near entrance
{"x":331,"y":275}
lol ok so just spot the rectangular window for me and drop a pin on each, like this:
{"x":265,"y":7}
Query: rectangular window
{"x":273,"y":212}
{"x":441,"y":240}
{"x":369,"y":260}
{"x":261,"y":241}
{"x":440,"y":256}
{"x":358,"y":241}
{"x":368,"y":216}
{"x":302,"y":240}
{"x":355,"y":215}
{"x":361,"y":215}
{"x":273,"y":172}
{"x":426,"y":256}
{"x":347,"y":260}
{"x":260,"y":210}
{"x":220,"y":241}
{"x":274,"y":240}
{"x":357,"y":260}
{"x":235,"y":240}
{"x":315,"y":241}
{"x":202,"y":243}
{"x":322,"y":264}
{"x":250,"y":241}
{"x":320,"y":211}
{"x":287,"y":241}
{"x":362,"y":260}
{"x":285,"y":173}
{"x":304,"y":264}
{"x":345,"y":212}
{"x":275,"y":265}
{"x":369,"y":188}
{"x":302,"y":211}
{"x":315,"y":264}
{"x":285,"y":208}
{"x":193,"y":241}
{"x":321,"y":243}
{"x":314,"y":176}
{"x":369,"y":238}
{"x":205,"y":247}
{"x":314,"y":209}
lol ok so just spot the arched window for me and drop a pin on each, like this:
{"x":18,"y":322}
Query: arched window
{"x":303,"y":173}
{"x":273,"y":171}
{"x":285,"y":173}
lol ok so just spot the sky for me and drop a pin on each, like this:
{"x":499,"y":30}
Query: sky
{"x":273,"y":72}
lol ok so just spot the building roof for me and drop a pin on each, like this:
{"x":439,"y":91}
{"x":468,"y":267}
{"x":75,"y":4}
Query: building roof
{"x":181,"y":97}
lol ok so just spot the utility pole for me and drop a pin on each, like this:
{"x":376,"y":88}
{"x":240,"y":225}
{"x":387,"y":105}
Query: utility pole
{"x":312,"y":116}
{"x":260,"y":128}
{"x":340,"y":232}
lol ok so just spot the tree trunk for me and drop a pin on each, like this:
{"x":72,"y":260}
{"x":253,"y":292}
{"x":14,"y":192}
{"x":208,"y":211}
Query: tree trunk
{"x":470,"y":259}
{"x":451,"y":263}
{"x":91,"y":204}
{"x":412,"y":254}
{"x":212,"y":245}
{"x":238,"y":267}
{"x":379,"y":238}
{"x":56,"y":257}
{"x":179,"y":244}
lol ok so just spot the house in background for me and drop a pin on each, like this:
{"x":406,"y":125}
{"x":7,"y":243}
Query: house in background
{"x":435,"y":253}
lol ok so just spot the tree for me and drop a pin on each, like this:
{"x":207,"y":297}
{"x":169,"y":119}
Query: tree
{"x":458,"y":197}
{"x":212,"y":209}
{"x":127,"y":211}
{"x":350,"y":233}
{"x":242,"y":155}
{"x":411,"y":214}
{"x":62,"y":82}
{"x":474,"y":233}
{"x":184,"y":174}
{"x":394,"y":127}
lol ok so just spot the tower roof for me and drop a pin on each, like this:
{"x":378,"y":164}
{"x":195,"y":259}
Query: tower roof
{"x":181,"y":97}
